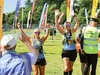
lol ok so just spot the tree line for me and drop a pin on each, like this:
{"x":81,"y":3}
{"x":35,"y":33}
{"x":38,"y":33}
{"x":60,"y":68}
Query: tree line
{"x":79,"y":8}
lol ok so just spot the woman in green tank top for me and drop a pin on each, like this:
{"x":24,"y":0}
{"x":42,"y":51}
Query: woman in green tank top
{"x":69,"y":53}
{"x":41,"y":62}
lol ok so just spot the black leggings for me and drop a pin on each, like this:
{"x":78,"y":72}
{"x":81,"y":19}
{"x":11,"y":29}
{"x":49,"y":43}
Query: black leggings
{"x":91,"y":59}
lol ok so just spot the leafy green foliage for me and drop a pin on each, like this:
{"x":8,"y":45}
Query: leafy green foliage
{"x":79,"y":8}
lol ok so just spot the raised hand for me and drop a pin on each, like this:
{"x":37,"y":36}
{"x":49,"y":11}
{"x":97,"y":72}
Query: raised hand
{"x":48,"y":25}
{"x":22,"y":38}
{"x":57,"y":12}
{"x":62,"y":14}
{"x":18,"y":25}
{"x":73,"y":14}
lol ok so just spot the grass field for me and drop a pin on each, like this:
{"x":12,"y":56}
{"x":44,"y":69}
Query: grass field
{"x":53,"y":50}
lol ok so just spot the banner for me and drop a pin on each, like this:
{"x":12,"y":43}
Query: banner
{"x":44,"y":19}
{"x":86,"y":15}
{"x":1,"y":16}
{"x":46,"y":13}
{"x":34,"y":1}
{"x":16,"y":12}
{"x":94,"y":8}
{"x":71,"y":9}
{"x":28,"y":19}
{"x":67,"y":9}
{"x":42,"y":15}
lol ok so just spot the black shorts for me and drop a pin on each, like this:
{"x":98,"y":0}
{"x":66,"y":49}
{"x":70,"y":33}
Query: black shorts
{"x":82,"y":57}
{"x":71,"y":54}
{"x":51,"y":34}
{"x":41,"y":62}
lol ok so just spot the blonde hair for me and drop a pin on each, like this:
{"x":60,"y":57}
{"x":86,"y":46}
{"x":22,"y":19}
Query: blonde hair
{"x":36,"y":29}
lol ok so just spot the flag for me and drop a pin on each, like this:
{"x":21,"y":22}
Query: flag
{"x":94,"y":8}
{"x":1,"y":16}
{"x":16,"y":12}
{"x":34,"y":1}
{"x":67,"y":9}
{"x":86,"y":15}
{"x":71,"y":9}
{"x":42,"y":15}
{"x":28,"y":19}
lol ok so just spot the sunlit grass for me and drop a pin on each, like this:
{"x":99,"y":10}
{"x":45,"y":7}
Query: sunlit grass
{"x":53,"y":49}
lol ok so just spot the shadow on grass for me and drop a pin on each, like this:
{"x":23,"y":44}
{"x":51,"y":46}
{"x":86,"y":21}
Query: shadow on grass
{"x":51,"y":53}
{"x":22,"y":52}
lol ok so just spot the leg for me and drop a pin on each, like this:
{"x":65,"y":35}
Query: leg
{"x":42,"y":70}
{"x":94,"y":63}
{"x":82,"y":60}
{"x":71,"y":63}
{"x":52,"y":37}
{"x":88,"y":63}
{"x":72,"y":59}
{"x":82,"y":67}
{"x":66,"y":65}
{"x":35,"y":69}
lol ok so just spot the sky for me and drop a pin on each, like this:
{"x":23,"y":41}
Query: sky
{"x":10,"y":5}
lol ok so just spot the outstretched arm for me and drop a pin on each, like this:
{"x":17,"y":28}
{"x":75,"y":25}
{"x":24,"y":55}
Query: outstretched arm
{"x":76,"y":21}
{"x":47,"y":33}
{"x":76,"y":25}
{"x":31,"y":48}
{"x":22,"y":32}
{"x":57,"y":21}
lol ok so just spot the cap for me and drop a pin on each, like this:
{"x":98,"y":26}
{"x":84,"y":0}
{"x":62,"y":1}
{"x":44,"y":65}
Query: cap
{"x":8,"y":39}
{"x":94,"y":19}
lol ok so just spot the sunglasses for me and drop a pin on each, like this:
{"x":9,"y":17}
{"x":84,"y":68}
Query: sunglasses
{"x":68,"y":25}
{"x":37,"y":32}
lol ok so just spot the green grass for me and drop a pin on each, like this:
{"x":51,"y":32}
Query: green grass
{"x":53,"y":49}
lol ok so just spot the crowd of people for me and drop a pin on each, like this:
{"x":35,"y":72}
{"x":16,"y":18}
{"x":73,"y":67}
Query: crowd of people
{"x":12,"y":63}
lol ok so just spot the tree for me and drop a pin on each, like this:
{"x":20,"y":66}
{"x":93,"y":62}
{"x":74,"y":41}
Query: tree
{"x":28,"y":3}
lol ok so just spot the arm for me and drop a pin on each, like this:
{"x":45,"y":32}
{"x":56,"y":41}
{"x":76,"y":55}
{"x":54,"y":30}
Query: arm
{"x":99,"y":41}
{"x":57,"y":23}
{"x":26,"y":43}
{"x":47,"y":33}
{"x":76,"y":25}
{"x":77,"y":39}
{"x":22,"y":32}
{"x":76,"y":21}
{"x":62,"y":14}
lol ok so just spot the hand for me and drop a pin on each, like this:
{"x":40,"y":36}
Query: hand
{"x":82,"y":52}
{"x":62,"y":14}
{"x":73,"y":14}
{"x":22,"y":38}
{"x":96,"y":15}
{"x":48,"y":25}
{"x":57,"y":12}
{"x":18,"y":25}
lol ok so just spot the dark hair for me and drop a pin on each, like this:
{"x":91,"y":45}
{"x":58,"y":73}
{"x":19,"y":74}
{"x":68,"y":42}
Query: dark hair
{"x":94,"y":20}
